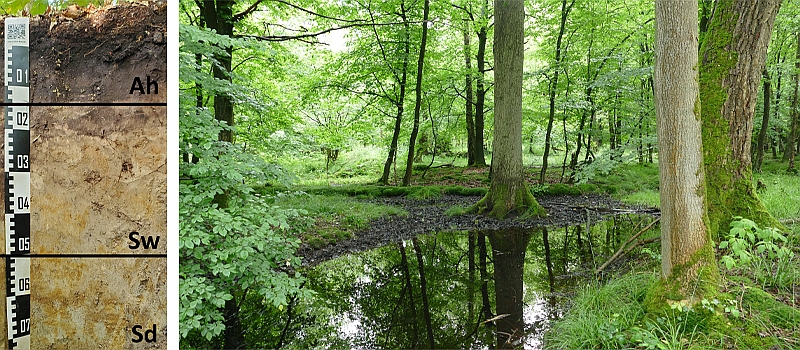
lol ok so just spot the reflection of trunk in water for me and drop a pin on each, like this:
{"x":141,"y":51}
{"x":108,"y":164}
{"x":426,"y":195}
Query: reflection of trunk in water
{"x":547,"y":259}
{"x":551,"y":299}
{"x":486,"y":309}
{"x":426,"y":310}
{"x":409,"y":287}
{"x":471,"y":278}
{"x":508,"y":253}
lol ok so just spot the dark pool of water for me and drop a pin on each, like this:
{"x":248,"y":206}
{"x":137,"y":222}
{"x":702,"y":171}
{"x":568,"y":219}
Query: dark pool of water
{"x":451,"y":289}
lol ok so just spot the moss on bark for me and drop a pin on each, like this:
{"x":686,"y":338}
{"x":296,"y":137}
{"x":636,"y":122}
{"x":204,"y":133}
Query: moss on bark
{"x":500,"y":201}
{"x":728,"y":179}
{"x":688,"y":283}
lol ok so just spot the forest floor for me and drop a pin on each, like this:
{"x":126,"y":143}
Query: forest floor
{"x":431,"y":215}
{"x":438,"y":202}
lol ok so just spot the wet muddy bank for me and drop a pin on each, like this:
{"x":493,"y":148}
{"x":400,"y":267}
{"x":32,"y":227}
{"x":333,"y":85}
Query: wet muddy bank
{"x":426,"y":216}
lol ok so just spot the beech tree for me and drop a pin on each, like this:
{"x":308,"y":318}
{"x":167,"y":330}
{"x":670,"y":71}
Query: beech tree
{"x":686,"y":246}
{"x":508,"y":190}
{"x":733,"y":55}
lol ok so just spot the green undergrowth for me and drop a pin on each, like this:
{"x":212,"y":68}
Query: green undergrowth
{"x":756,"y":307}
{"x":336,"y":217}
{"x":612,"y":316}
{"x":779,"y":191}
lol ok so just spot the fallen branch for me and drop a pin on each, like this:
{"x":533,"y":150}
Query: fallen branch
{"x":622,"y":248}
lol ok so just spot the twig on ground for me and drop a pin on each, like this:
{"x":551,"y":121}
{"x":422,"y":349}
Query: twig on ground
{"x":622,"y":248}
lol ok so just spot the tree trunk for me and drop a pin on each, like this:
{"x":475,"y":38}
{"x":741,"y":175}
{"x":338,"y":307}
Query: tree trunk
{"x":219,"y":16}
{"x":790,"y":140}
{"x":418,"y":98}
{"x":688,"y":266}
{"x":508,"y":190}
{"x":762,"y":134}
{"x":733,"y":57}
{"x":387,"y":166}
{"x":553,"y":87}
{"x":469,"y":103}
{"x":480,"y":93}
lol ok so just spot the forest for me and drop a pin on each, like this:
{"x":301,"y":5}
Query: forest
{"x":539,"y":174}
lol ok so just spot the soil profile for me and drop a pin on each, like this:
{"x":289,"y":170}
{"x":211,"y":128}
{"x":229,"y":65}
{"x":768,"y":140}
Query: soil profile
{"x":98,"y":174}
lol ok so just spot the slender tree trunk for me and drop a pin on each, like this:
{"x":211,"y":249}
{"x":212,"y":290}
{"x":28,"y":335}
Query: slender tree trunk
{"x":469,"y":102}
{"x":762,"y":134}
{"x":508,"y":190}
{"x":732,"y":59}
{"x":480,"y":95}
{"x":554,"y":87}
{"x":218,"y":15}
{"x":418,"y":95}
{"x":688,"y":267}
{"x":387,"y":166}
{"x":790,"y":140}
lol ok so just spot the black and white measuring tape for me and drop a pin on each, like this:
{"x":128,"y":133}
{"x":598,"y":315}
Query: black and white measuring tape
{"x":17,"y":184}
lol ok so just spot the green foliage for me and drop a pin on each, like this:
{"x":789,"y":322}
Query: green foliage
{"x":244,"y":245}
{"x":746,"y":241}
{"x":38,"y":7}
{"x":628,"y":179}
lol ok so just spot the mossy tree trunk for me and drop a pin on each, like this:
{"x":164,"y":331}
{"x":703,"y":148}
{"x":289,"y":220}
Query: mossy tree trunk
{"x":686,"y":247}
{"x":733,"y":55}
{"x":508,"y":190}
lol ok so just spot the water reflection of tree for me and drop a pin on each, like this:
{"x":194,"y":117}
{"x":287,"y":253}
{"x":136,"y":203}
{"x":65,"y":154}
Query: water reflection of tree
{"x":376,"y":299}
{"x":508,"y":252}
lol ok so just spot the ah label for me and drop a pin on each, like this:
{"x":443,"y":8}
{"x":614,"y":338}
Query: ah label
{"x":137,"y":86}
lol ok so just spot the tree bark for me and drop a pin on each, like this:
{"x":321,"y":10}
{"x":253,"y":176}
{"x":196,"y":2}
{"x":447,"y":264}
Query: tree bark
{"x":732,"y":59}
{"x":508,"y":190}
{"x":418,"y":95}
{"x":688,"y":266}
